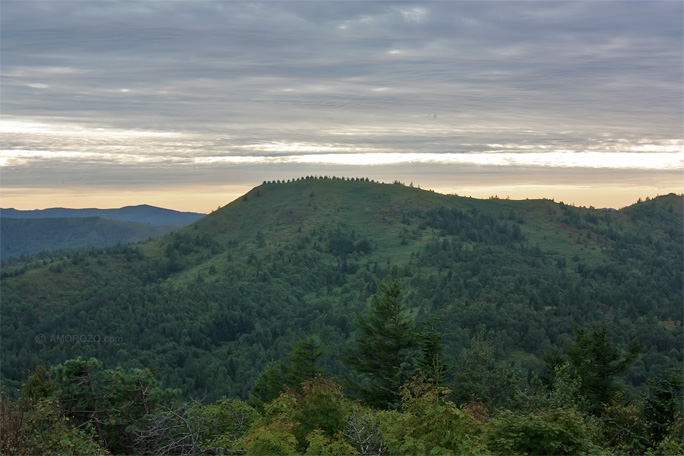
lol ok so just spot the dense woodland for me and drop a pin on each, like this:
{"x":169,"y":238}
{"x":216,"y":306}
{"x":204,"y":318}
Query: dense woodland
{"x":20,"y":238}
{"x":251,"y":330}
{"x":46,"y":232}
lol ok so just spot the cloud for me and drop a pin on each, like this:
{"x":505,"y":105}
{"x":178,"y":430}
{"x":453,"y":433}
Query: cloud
{"x":283,"y":86}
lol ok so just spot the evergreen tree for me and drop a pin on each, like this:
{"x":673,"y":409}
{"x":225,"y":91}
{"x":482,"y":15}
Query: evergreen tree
{"x":431,"y":364}
{"x":79,"y":387}
{"x":269,"y":385}
{"x":113,"y":402}
{"x":303,"y":357}
{"x":479,"y":378}
{"x":383,"y":348}
{"x":38,"y":386}
{"x":664,"y":404}
{"x":596,"y":361}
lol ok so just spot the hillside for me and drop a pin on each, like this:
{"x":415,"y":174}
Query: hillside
{"x":138,"y":214}
{"x":31,"y":236}
{"x":209,"y":306}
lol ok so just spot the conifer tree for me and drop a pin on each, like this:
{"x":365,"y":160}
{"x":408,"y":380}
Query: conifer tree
{"x":479,"y":378}
{"x":431,"y":364}
{"x":596,"y":361}
{"x":303,"y":358}
{"x":663,"y":406}
{"x":383,"y":348}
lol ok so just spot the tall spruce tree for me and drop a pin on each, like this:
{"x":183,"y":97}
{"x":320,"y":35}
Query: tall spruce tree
{"x":480,"y":378}
{"x":387,"y":338}
{"x":663,"y":406}
{"x":596,"y":361}
{"x":431,"y":364}
{"x":303,"y":357}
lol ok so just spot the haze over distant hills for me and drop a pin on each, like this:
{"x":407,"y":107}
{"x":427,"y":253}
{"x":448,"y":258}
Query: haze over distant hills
{"x":33,"y":231}
{"x":141,"y":214}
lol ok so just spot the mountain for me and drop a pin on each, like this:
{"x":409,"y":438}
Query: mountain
{"x":31,"y":232}
{"x":31,"y":236}
{"x":139,"y":214}
{"x":210,"y":305}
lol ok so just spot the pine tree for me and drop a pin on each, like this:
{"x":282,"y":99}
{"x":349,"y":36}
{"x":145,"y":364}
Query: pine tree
{"x":480,"y":378}
{"x":596,"y":361}
{"x":663,"y":406}
{"x":431,"y":364}
{"x":383,"y":349}
{"x":303,"y":358}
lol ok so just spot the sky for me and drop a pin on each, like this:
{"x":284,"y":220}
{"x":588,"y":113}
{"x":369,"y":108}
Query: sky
{"x":189,"y":104}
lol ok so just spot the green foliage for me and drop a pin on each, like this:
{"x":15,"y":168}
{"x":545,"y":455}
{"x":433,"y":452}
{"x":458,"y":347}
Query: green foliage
{"x":431,"y":364}
{"x":479,"y":379}
{"x":276,"y":438}
{"x":624,"y":428}
{"x":128,"y":412}
{"x":546,"y":432}
{"x":304,"y":356}
{"x":319,"y":408}
{"x":260,"y":239}
{"x":269,"y":385}
{"x":320,"y":444}
{"x":387,"y":336}
{"x":321,"y":405}
{"x":673,"y":442}
{"x":663,"y":408}
{"x":223,"y":423}
{"x":113,"y":402}
{"x":37,"y":387}
{"x":429,"y":424}
{"x":564,"y":393}
{"x":207,"y":310}
{"x":596,"y":361}
{"x":31,"y":236}
{"x":42,"y":429}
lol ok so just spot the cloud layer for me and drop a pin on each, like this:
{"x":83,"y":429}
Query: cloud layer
{"x":156,"y":94}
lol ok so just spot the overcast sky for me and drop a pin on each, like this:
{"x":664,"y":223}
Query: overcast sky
{"x":189,"y":104}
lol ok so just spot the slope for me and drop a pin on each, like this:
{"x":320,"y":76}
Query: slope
{"x":30,"y":236}
{"x":140,"y":214}
{"x":209,"y":306}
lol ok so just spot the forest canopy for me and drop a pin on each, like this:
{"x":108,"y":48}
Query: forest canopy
{"x":496,"y":292}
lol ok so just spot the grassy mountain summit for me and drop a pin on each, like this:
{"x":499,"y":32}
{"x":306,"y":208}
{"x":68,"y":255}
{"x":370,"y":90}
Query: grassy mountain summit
{"x":210,"y":305}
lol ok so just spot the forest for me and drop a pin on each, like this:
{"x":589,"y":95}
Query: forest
{"x":26,"y":237}
{"x":526,"y":327}
{"x":25,"y":233}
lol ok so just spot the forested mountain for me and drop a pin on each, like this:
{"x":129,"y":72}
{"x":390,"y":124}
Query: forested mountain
{"x":140,"y":214}
{"x":209,"y":306}
{"x":31,"y":236}
{"x":54,"y":229}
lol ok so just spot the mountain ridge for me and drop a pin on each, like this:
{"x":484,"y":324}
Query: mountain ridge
{"x":49,"y":236}
{"x":143,"y":213}
{"x":211,"y":304}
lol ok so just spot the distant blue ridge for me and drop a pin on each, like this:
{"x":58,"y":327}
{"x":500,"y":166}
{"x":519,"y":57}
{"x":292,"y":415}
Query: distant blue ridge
{"x":141,"y":214}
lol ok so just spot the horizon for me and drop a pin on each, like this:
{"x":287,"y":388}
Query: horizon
{"x":285,"y":181}
{"x":188,"y":105}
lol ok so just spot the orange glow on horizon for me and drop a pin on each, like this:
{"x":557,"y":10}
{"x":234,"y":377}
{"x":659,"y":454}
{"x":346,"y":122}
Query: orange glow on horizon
{"x":207,"y":199}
